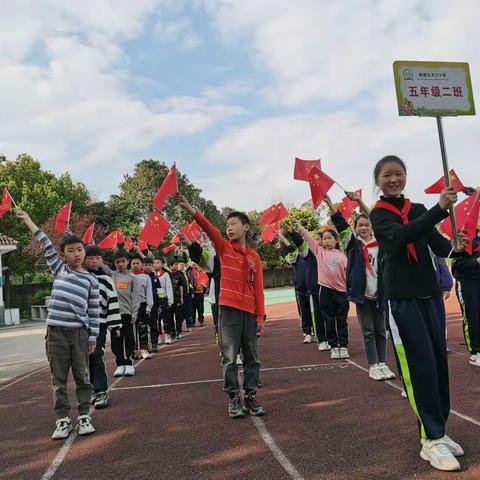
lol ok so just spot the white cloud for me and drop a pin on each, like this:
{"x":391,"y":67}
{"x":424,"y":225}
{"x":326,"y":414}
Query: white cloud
{"x":338,"y":50}
{"x":64,"y":89}
{"x":179,"y":32}
{"x":329,"y":66}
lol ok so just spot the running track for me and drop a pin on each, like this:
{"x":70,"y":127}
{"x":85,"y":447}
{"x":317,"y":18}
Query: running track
{"x":325,"y":419}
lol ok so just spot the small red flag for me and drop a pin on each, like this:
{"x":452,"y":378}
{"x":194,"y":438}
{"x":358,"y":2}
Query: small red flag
{"x":120,"y":238}
{"x":169,"y":248}
{"x":176,"y":239}
{"x":154,"y":229}
{"x":187,"y":232}
{"x":129,"y":245}
{"x":6,"y":203}
{"x":347,"y":206}
{"x":320,"y":184}
{"x":88,"y":235}
{"x":303,"y":167}
{"x":274,"y":214}
{"x":110,"y":241}
{"x":195,"y":229}
{"x":63,"y":218}
{"x":466,"y":216}
{"x":269,"y":233}
{"x":142,"y":245}
{"x":439,"y":185}
{"x":168,"y":187}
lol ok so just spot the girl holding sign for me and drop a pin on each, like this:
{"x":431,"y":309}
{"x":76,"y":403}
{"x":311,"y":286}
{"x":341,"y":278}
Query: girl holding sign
{"x":404,"y":231}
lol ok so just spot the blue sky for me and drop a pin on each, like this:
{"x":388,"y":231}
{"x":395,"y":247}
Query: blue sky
{"x":230,"y":90}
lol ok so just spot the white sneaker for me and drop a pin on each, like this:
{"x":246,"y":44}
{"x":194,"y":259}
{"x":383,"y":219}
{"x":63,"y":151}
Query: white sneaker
{"x":64,"y":427}
{"x":376,"y":373}
{"x":344,"y":353}
{"x":439,"y":455}
{"x":168,"y":339}
{"x":239,"y":360}
{"x":404,"y":394}
{"x":307,"y":338}
{"x":475,"y":360}
{"x":129,"y":371}
{"x":120,"y":371}
{"x":389,"y":375}
{"x":454,"y":447}
{"x":85,"y":426}
{"x":335,"y":353}
{"x":324,"y":347}
{"x":146,"y":354}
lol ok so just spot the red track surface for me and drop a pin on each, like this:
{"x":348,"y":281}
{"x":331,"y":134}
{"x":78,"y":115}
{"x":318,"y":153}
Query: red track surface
{"x":329,"y":421}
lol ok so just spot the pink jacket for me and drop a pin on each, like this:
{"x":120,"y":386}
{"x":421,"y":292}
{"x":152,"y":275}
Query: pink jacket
{"x":332,"y":265}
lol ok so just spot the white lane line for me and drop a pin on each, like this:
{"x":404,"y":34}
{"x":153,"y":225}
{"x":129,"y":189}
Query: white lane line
{"x":275,"y":449}
{"x":453,"y":412}
{"x":58,"y":460}
{"x":33,"y":372}
{"x":160,"y":385}
{"x":60,"y":457}
{"x":195,"y":382}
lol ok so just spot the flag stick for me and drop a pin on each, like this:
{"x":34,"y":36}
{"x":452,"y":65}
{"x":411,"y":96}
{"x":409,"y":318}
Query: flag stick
{"x":344,"y":189}
{"x":448,"y":182}
{"x":13,"y":201}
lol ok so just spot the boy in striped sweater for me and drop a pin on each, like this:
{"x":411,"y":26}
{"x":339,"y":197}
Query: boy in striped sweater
{"x":242,"y":307}
{"x":110,"y":320}
{"x":72,"y":326}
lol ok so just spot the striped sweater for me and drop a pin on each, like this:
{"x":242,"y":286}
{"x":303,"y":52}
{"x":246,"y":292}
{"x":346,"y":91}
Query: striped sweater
{"x":75,"y":295}
{"x":109,"y":307}
{"x":241,"y":280}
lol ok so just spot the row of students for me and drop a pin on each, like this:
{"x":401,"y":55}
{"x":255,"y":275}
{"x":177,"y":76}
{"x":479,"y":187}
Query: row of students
{"x":88,"y":300}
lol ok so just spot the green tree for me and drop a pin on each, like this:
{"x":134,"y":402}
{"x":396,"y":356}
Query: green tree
{"x":41,"y":194}
{"x":135,"y":200}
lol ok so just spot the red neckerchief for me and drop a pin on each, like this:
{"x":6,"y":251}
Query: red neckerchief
{"x":403,"y":214}
{"x":365,"y":247}
{"x":139,"y":272}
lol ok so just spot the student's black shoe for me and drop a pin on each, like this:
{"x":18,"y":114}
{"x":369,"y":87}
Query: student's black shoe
{"x":235,"y":409}
{"x":259,"y":384}
{"x":154,"y":349}
{"x":101,"y":400}
{"x":251,"y":406}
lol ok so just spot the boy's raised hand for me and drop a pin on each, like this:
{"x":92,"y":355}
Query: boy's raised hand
{"x":182,"y":202}
{"x":25,"y":217}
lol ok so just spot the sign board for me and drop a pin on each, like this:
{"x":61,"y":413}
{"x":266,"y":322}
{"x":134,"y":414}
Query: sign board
{"x":433,"y":89}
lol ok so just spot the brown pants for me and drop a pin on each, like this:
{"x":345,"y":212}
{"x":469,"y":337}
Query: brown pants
{"x":68,"y":347}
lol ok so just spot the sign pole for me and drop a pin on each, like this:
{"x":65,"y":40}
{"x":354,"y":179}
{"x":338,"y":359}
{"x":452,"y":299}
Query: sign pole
{"x":448,"y":182}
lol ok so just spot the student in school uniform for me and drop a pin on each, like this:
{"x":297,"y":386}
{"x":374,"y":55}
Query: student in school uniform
{"x":405,"y":231}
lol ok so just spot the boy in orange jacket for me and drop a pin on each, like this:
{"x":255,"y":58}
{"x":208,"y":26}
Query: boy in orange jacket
{"x":242,"y":307}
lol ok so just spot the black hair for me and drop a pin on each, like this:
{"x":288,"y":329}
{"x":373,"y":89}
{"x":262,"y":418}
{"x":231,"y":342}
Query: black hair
{"x":120,"y":253}
{"x":358,"y":217}
{"x":69,"y":239}
{"x":172,"y":262}
{"x":148,"y":260}
{"x":334,"y":234}
{"x":158,"y":259}
{"x":385,"y":160}
{"x":92,"y":251}
{"x":241,"y":216}
{"x":136,"y":256}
